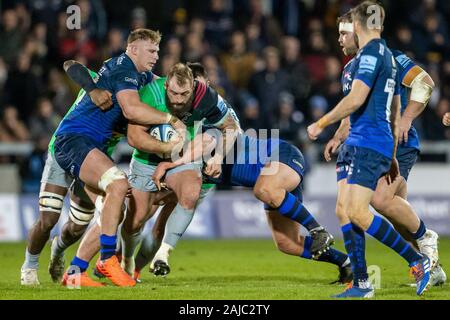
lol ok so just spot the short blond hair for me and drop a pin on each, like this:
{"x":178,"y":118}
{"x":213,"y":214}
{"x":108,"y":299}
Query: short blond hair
{"x":144,"y":34}
{"x":182,"y":74}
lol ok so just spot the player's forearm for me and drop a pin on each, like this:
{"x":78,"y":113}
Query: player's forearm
{"x":413,"y":110}
{"x":145,"y":143}
{"x":140,"y":113}
{"x":343,"y":109}
{"x":342,"y":132}
{"x":194,"y":152}
{"x":395,"y":120}
{"x":80,"y":75}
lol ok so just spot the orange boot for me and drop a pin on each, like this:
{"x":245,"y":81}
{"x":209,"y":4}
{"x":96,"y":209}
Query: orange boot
{"x":111,"y":269}
{"x":79,"y":280}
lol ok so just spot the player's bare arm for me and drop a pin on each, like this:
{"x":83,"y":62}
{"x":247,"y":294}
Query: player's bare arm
{"x":421,"y":86}
{"x":339,"y":137}
{"x":230,"y":129}
{"x":138,"y":138}
{"x":349,"y":104}
{"x":199,"y":147}
{"x":79,"y":74}
{"x":138,"y":112}
{"x":395,"y":120}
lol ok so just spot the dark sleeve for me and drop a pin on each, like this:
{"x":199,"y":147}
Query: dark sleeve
{"x":80,"y":75}
{"x":123,"y":79}
{"x":210,"y":104}
{"x":404,"y":64}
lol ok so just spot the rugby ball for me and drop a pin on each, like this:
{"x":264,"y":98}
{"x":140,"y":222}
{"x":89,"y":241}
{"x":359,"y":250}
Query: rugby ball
{"x":164,"y":133}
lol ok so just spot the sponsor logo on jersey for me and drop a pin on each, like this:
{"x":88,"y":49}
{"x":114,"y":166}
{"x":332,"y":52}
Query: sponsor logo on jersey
{"x":133,"y":81}
{"x":367,"y":64}
{"x":403,"y":60}
{"x":186,"y":117}
{"x":298,"y":163}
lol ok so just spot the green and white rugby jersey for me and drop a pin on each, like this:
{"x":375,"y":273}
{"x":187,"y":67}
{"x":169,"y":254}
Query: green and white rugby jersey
{"x":154,"y":95}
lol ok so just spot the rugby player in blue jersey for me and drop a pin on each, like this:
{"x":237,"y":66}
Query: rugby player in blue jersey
{"x":80,"y":145}
{"x":55,"y":183}
{"x":370,"y":149}
{"x":274,"y":169}
{"x":390,"y":199}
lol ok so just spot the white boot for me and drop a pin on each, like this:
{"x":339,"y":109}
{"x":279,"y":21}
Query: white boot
{"x":29,"y":277}
{"x":428,"y":245}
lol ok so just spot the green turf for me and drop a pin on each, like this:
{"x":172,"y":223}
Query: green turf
{"x":225,"y":269}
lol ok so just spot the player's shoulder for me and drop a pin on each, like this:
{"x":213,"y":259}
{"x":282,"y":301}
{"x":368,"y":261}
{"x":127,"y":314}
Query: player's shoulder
{"x":350,"y":63}
{"x":122,"y":64}
{"x":204,"y":96}
{"x":402,"y":58}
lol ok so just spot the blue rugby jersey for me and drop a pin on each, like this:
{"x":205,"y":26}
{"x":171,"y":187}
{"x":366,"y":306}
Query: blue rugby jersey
{"x":251,"y":155}
{"x":370,"y":124}
{"x":347,"y":76}
{"x":404,"y":64}
{"x":116,"y":74}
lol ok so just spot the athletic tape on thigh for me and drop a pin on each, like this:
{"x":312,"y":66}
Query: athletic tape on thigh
{"x":109,"y":176}
{"x":80,"y":215}
{"x":49,"y":201}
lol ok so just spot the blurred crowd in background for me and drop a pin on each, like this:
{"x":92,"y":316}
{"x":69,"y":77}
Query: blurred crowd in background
{"x":277,"y":62}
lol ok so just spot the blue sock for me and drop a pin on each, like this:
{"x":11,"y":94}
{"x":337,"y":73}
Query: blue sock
{"x":383,"y":232}
{"x":77,"y":262}
{"x":307,"y":248}
{"x":420,"y":232}
{"x":292,"y":208}
{"x":333,"y":256}
{"x":107,"y":246}
{"x":355,"y":246}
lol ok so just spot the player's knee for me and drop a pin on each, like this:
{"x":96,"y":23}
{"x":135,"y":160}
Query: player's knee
{"x":136,"y":225}
{"x":81,"y":215}
{"x":380,"y":201}
{"x":76,"y":230}
{"x":264,"y":194}
{"x":354,"y":211}
{"x":47,"y":221}
{"x":114,"y":181}
{"x":340,"y":212}
{"x":189,"y":198}
{"x":118,"y":188}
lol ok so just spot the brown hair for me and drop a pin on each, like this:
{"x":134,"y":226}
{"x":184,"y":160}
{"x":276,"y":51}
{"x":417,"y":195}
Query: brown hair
{"x":346,"y":17}
{"x":198,"y":70}
{"x":182,"y":73}
{"x":364,"y":14}
{"x":144,"y":34}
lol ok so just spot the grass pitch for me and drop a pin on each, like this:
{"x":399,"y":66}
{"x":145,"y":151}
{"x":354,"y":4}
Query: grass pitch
{"x":225,"y":270}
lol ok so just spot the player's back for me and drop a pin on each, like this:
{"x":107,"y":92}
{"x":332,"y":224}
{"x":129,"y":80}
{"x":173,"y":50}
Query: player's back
{"x":370,"y":124}
{"x":85,"y":118}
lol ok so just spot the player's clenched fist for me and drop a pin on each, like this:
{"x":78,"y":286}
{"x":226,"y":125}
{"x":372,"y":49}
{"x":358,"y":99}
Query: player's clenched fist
{"x":446,"y":119}
{"x":314,"y":131}
{"x":101,"y":98}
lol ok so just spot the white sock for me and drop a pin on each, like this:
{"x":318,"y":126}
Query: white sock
{"x":58,"y":247}
{"x":31,"y":260}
